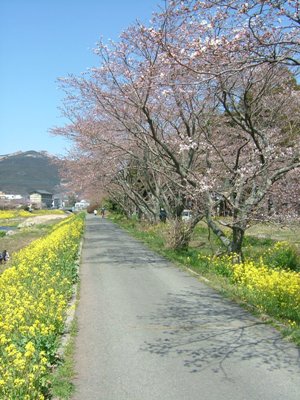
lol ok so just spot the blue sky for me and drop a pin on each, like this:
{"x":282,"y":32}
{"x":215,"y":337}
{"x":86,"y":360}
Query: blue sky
{"x":41,"y":40}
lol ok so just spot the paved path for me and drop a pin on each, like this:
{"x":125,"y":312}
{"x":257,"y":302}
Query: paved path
{"x":149,"y":331}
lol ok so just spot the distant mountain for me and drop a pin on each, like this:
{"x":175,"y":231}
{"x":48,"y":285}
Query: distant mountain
{"x":23,"y":172}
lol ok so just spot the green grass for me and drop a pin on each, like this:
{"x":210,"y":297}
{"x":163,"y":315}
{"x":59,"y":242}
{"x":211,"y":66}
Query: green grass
{"x":23,"y":237}
{"x":61,"y":383}
{"x":9,"y":222}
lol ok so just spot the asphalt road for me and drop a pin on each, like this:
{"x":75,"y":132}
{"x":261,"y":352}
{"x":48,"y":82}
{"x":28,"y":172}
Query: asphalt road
{"x":149,"y":331}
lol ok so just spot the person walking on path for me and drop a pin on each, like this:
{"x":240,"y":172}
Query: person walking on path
{"x":163,"y":215}
{"x":150,"y":331}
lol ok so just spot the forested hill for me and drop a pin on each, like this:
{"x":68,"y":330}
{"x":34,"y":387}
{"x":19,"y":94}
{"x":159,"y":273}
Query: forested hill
{"x":23,"y":172}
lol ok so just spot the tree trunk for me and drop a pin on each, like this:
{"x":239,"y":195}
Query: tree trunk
{"x":236,"y":244}
{"x":218,"y":232}
{"x":181,"y":233}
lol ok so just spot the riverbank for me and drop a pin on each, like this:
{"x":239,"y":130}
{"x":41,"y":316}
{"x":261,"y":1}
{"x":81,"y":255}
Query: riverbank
{"x":21,"y":231}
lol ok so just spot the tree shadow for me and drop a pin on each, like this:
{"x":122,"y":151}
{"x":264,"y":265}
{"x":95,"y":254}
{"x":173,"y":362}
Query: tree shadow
{"x":123,"y":252}
{"x":196,"y":325}
{"x":207,"y":331}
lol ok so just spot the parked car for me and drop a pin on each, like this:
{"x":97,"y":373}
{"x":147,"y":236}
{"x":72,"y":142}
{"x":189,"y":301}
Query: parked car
{"x":186,"y":215}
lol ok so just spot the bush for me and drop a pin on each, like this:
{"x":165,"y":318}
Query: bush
{"x":179,"y":236}
{"x":282,"y":255}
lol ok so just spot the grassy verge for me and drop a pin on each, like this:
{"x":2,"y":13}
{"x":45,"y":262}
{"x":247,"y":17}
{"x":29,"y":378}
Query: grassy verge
{"x":267,"y":283}
{"x":62,"y":387}
{"x":61,"y":378}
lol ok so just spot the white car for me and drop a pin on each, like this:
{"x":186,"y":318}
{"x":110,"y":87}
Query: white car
{"x":186,"y":215}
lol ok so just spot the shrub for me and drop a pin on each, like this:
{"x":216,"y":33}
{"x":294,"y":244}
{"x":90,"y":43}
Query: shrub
{"x":282,"y":255}
{"x":179,"y":235}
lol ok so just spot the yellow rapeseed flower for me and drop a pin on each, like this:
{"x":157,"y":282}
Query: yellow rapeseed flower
{"x":34,"y":295}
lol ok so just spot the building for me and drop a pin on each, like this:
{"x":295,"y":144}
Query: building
{"x":41,"y":198}
{"x":81,"y":205}
{"x":4,"y":196}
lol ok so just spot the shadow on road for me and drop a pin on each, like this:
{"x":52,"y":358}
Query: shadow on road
{"x":120,"y":253}
{"x":213,"y":333}
{"x":196,"y":325}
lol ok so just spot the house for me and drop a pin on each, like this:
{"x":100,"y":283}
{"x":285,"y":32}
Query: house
{"x":4,"y":196}
{"x":81,"y":205}
{"x":41,"y":198}
{"x":59,"y":201}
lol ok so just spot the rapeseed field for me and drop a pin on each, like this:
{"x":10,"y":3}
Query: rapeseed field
{"x":34,"y":295}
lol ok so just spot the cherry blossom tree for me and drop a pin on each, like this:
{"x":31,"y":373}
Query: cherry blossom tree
{"x":200,"y":109}
{"x":154,"y":126}
{"x":242,"y":51}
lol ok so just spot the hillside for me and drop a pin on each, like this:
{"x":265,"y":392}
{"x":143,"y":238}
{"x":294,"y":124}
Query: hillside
{"x":23,"y":172}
